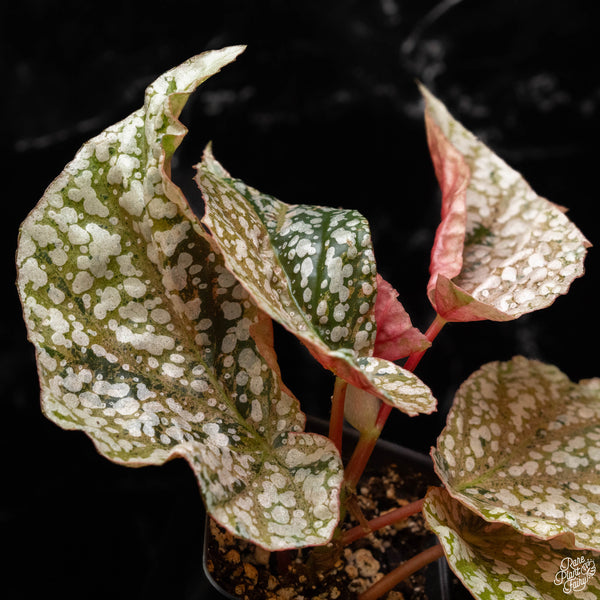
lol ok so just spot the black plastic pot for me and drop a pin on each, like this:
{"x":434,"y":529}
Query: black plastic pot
{"x":440,"y":582}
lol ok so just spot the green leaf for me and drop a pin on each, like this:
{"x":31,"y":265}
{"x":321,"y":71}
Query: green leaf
{"x":522,"y":447}
{"x":501,"y":250}
{"x":312,"y":269}
{"x":146,"y":341}
{"x":495,"y":561}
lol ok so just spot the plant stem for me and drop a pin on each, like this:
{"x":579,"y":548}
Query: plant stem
{"x":389,"y":518}
{"x":356,"y":512}
{"x":360,"y":457}
{"x":284,"y":559}
{"x":368,"y":439}
{"x":402,"y":572}
{"x":336,"y":420}
{"x":436,"y":326}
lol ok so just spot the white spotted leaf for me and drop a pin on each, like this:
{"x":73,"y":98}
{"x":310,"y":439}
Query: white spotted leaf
{"x":496,"y":562}
{"x":500,"y":250}
{"x":312,"y":269}
{"x":146,"y":342}
{"x":522,"y":447}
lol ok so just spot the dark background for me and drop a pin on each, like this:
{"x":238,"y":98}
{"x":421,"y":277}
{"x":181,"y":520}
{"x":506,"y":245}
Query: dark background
{"x":321,"y":108}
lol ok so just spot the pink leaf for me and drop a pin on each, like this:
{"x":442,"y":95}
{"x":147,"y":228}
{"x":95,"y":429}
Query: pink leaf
{"x":396,"y":336}
{"x":454,"y":304}
{"x":501,"y":250}
{"x":453,"y":176}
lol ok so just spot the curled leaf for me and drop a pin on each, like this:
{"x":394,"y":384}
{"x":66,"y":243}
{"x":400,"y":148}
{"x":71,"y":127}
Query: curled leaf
{"x":312,"y":269}
{"x":396,"y":337}
{"x":501,"y":250}
{"x":361,"y":409}
{"x":495,"y":561}
{"x":145,"y":340}
{"x":522,"y":447}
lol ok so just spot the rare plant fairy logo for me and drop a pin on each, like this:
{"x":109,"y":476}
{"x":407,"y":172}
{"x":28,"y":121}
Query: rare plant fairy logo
{"x":574,"y":573}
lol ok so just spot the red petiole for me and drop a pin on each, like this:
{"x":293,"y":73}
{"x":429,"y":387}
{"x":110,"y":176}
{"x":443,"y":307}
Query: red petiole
{"x":405,"y":570}
{"x":336,"y":421}
{"x":394,"y":516}
{"x":368,"y":439}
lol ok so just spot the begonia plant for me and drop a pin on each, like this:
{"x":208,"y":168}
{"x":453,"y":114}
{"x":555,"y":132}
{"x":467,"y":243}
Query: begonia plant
{"x":153,"y":333}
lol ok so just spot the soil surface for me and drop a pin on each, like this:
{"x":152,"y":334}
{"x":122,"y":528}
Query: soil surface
{"x":251,"y":573}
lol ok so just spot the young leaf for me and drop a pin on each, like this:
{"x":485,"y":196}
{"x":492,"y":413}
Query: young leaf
{"x":312,"y":269}
{"x":495,"y":561}
{"x":501,"y":250}
{"x":144,"y":339}
{"x":361,"y":409}
{"x":396,"y":337}
{"x":522,"y":447}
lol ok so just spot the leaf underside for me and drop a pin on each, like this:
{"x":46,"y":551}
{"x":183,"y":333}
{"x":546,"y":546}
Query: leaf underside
{"x":522,"y":447}
{"x":144,"y":339}
{"x":312,"y":269}
{"x":396,"y":337}
{"x":495,"y":561}
{"x":501,"y":250}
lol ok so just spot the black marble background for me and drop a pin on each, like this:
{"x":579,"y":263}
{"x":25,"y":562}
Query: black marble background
{"x":321,"y":108}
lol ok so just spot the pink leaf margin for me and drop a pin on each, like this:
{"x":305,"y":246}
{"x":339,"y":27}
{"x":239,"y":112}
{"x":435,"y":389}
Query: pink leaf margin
{"x":453,"y":174}
{"x":396,"y":336}
{"x":452,"y":302}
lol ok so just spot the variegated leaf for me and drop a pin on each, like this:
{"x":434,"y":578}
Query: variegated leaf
{"x":522,"y":447}
{"x":496,"y":562}
{"x":144,"y":339}
{"x":501,"y":250}
{"x":312,"y":269}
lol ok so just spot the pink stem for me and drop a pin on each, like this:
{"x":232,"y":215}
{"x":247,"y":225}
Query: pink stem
{"x":394,"y":516}
{"x":405,"y":570}
{"x":336,"y":420}
{"x":366,"y":443}
{"x":360,"y":458}
{"x":415,"y":358}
